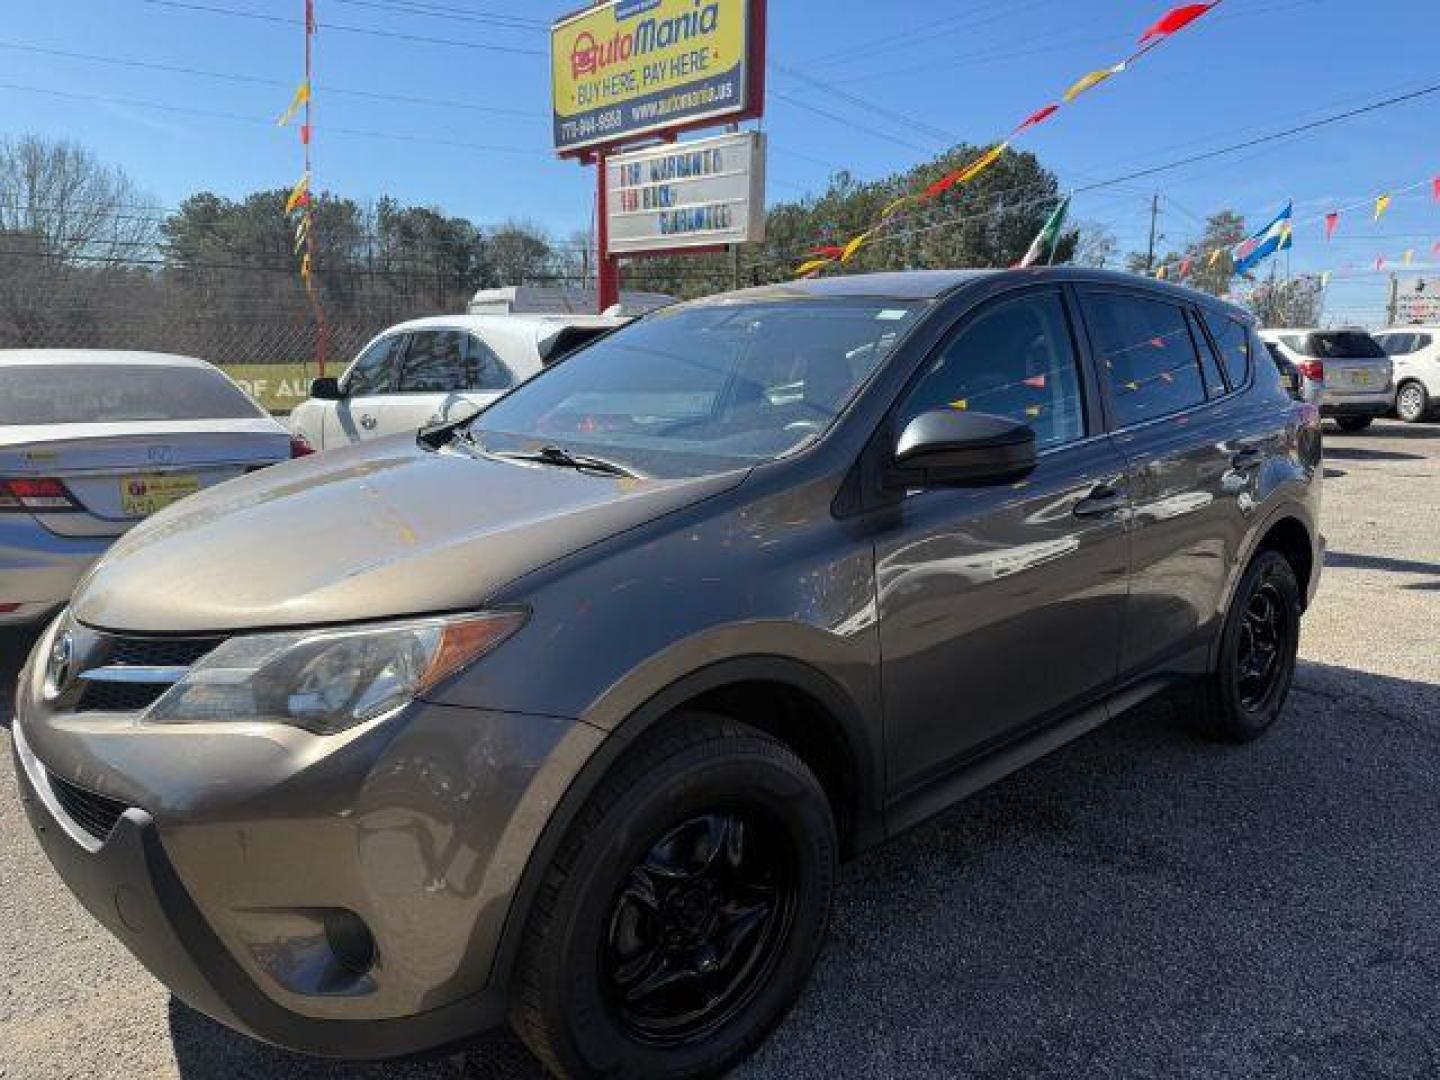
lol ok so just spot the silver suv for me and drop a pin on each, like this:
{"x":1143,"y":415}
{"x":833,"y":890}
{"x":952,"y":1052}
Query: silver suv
{"x":1345,"y":372}
{"x":567,"y":714}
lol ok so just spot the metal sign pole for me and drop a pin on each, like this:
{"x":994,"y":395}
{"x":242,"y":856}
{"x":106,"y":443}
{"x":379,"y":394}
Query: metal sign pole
{"x":607,"y":267}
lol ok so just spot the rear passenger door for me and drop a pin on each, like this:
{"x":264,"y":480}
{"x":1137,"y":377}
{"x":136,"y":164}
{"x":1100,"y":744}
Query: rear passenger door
{"x":1000,"y":608}
{"x":1177,"y":412}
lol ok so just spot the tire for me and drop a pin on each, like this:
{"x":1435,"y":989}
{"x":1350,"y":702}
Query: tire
{"x":1353,"y":424}
{"x":1412,"y":403}
{"x":1232,"y":706}
{"x":616,"y":915}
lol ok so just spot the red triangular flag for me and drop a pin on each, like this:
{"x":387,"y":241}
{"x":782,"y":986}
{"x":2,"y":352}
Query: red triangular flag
{"x":1037,"y":382}
{"x":1037,"y":117}
{"x":828,"y":251}
{"x":304,"y":134}
{"x":1176,"y":19}
{"x":1185,"y":266}
{"x":1437,"y":189}
{"x":1436,"y":248}
{"x":1379,"y":262}
{"x":1332,"y":222}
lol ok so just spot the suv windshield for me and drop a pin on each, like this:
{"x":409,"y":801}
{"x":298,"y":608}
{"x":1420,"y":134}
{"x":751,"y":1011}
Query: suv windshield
{"x":1342,"y":345}
{"x":704,"y":387}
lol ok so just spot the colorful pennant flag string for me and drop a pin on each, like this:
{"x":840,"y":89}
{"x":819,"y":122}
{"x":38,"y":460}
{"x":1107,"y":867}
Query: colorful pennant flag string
{"x":1169,"y":24}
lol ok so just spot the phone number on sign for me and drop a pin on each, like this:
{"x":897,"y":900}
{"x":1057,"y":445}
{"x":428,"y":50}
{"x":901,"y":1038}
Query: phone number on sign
{"x":596,"y":124}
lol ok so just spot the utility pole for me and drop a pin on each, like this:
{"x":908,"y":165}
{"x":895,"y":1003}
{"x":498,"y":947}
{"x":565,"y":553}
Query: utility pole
{"x":1154,"y":223}
{"x":1392,"y":307}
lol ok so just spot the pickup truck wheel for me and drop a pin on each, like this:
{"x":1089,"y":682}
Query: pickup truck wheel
{"x":1244,"y":693}
{"x":684,"y":910}
{"x":1412,"y":403}
{"x":1353,"y":424}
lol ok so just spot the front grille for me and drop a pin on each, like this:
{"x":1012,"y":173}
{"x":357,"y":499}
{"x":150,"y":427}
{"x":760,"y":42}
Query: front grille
{"x":119,"y":697}
{"x":156,"y":652}
{"x":118,"y":651}
{"x":96,"y":814}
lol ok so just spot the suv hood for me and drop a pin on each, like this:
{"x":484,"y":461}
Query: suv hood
{"x":373,"y":531}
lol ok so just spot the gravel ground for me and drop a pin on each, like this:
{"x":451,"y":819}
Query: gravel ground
{"x":1138,"y":904}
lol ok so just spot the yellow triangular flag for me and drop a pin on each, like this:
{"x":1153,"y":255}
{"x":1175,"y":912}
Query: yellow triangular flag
{"x":1409,"y":256}
{"x":1381,"y":205}
{"x":301,"y":232}
{"x":896,"y":206}
{"x":810,"y":267}
{"x":983,"y":162}
{"x":962,"y":404}
{"x":1087,"y":82}
{"x":855,"y":245}
{"x":1215,"y":256}
{"x":302,"y":95}
{"x":305,"y":267}
{"x":298,"y":193}
{"x":1162,"y":272}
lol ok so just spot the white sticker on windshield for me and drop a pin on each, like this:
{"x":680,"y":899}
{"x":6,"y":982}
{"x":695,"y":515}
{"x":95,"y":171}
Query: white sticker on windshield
{"x":891,"y":314}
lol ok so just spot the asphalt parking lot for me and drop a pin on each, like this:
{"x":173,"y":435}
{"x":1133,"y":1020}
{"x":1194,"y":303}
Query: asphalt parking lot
{"x":1140,"y":904}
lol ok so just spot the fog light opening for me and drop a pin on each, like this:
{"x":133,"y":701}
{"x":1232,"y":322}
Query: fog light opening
{"x":350,"y":940}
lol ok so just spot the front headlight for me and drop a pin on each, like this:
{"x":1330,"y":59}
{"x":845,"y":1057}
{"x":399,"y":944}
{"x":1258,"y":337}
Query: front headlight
{"x":328,"y":680}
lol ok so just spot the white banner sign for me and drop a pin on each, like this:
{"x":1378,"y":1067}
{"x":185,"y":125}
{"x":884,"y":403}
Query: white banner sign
{"x":687,"y":195}
{"x":1418,"y":301}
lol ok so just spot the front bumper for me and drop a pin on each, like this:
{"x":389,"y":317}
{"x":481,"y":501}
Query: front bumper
{"x":221,"y":872}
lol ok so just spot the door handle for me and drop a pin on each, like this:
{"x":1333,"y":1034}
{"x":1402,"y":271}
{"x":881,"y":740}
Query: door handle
{"x":367,"y":421}
{"x":1246,"y":460}
{"x":1101,"y":502}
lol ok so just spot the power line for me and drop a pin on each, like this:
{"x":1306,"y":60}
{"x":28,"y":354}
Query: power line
{"x":851,"y":123}
{"x":208,"y":9}
{"x":442,"y":11}
{"x":185,"y":110}
{"x":237,"y":77}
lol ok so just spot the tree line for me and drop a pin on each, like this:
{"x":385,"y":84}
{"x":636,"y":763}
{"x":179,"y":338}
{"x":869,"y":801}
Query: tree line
{"x":88,"y":259}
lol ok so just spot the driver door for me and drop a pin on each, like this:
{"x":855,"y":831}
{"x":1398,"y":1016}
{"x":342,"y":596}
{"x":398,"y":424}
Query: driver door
{"x":1000,"y":608}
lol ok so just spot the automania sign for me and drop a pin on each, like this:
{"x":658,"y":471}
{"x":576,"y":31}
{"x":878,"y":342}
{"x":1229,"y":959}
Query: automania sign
{"x":632,"y":67}
{"x":695,"y":194}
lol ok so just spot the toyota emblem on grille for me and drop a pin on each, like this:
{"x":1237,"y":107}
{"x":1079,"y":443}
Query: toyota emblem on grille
{"x":57,"y":667}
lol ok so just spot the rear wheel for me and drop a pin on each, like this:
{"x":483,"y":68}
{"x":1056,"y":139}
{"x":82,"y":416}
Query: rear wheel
{"x":1244,"y":693}
{"x":681,"y":916}
{"x":1412,"y":403}
{"x":1354,"y":423}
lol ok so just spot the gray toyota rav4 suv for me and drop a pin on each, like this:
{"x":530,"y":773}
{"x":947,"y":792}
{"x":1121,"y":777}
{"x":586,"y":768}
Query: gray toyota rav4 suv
{"x":565,"y":714}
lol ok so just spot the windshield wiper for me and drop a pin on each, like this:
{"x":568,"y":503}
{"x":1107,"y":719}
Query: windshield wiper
{"x":562,"y":458}
{"x":434,"y":436}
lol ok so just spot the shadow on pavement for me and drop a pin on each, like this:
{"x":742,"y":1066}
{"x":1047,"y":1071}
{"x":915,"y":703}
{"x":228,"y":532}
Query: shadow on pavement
{"x":15,"y":646}
{"x":1364,"y":453}
{"x":1141,"y":903}
{"x":1344,"y":560}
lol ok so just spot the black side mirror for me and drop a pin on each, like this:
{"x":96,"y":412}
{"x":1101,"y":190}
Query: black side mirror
{"x":947,"y":447}
{"x":1293,"y":382}
{"x":326,"y":389}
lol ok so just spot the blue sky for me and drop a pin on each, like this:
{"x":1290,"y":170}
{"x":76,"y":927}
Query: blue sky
{"x":971,"y":69}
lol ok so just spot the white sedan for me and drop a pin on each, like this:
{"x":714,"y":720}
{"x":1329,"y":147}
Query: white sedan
{"x":91,"y":442}
{"x":436,"y":369}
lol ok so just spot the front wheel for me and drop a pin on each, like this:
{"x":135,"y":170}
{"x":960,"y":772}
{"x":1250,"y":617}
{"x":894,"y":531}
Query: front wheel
{"x":1245,"y":691}
{"x":1353,"y":423}
{"x":1412,"y":403}
{"x":683,"y":913}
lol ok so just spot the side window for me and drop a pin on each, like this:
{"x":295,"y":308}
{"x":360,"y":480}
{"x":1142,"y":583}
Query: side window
{"x":1016,"y":359}
{"x":1146,"y":352}
{"x":1215,"y":385}
{"x":484,"y":370}
{"x":1232,"y":340}
{"x":374,"y":372}
{"x":434,"y":363}
{"x":1422,"y":341}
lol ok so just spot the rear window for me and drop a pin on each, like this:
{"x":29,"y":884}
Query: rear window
{"x":1340,"y":345}
{"x":105,"y":393}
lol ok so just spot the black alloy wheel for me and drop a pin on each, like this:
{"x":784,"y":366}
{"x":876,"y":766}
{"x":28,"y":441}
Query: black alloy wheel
{"x":679,"y":919}
{"x":1259,"y":662}
{"x":1254,"y":663}
{"x":698,"y":925}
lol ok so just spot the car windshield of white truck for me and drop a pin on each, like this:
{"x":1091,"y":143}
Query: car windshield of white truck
{"x":110,"y":393}
{"x":704,"y":387}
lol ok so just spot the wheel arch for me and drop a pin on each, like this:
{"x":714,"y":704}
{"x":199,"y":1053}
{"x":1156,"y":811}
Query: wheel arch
{"x":818,"y":720}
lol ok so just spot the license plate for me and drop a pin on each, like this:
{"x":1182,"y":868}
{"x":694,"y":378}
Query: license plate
{"x":141,"y":496}
{"x":1359,"y":378}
